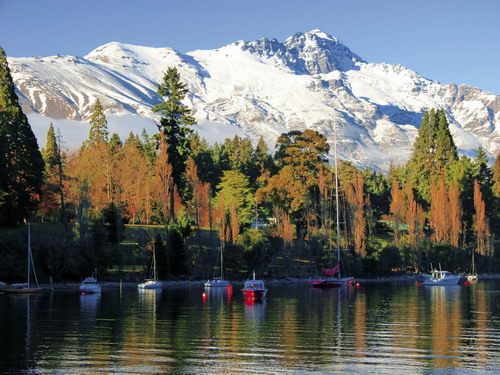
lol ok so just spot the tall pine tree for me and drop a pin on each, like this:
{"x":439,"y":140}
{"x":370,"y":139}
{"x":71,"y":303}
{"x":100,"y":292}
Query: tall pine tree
{"x":433,"y":151}
{"x":98,"y":125}
{"x":21,"y":163}
{"x":175,"y":121}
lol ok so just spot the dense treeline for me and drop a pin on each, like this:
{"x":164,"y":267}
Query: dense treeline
{"x":273,"y":213}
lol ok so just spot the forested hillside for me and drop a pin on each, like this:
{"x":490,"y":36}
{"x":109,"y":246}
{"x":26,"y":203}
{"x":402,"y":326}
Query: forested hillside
{"x":272,"y":213}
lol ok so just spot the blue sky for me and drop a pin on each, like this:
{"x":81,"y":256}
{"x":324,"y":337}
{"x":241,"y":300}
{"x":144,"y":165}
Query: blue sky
{"x":445,"y":40}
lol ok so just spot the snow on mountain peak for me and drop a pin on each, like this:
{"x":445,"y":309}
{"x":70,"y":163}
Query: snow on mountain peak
{"x":321,"y":53}
{"x":265,"y":88}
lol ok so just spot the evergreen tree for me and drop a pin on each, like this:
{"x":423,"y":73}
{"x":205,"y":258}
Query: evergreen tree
{"x":483,"y":174}
{"x":51,"y":152}
{"x":446,"y":151}
{"x":175,"y":121}
{"x":148,"y":145}
{"x":116,"y":144}
{"x":21,"y":163}
{"x":262,"y":155}
{"x":98,"y":125}
{"x":496,"y":177}
{"x":202,"y":154}
{"x":433,"y":151}
{"x":49,"y":206}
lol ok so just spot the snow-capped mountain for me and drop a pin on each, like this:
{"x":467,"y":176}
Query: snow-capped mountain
{"x":265,"y":88}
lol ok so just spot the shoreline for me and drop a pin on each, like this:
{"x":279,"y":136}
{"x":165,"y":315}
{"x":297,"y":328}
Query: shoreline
{"x":281,"y":281}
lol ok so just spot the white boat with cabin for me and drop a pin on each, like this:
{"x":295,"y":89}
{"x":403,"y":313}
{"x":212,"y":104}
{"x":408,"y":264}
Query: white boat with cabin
{"x":90,"y":286}
{"x":439,"y":277}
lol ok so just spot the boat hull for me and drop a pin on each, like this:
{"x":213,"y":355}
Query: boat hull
{"x":447,"y":281}
{"x":332,"y":282}
{"x":21,"y":290}
{"x":217,"y":283}
{"x":472,"y":278}
{"x":90,"y":289}
{"x":151,"y":285}
{"x":254,"y":294}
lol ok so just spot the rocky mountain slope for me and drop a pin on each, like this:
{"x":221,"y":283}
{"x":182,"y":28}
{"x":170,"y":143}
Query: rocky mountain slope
{"x":265,"y":88}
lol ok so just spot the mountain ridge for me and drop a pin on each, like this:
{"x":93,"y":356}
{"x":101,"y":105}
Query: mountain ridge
{"x":266,"y":87}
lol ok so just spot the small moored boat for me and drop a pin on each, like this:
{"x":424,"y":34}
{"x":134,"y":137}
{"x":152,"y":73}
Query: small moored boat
{"x":152,"y":282}
{"x":254,"y":289}
{"x":90,"y":286}
{"x":218,"y":281}
{"x":332,"y":278}
{"x":439,"y":277}
{"x":472,"y":276}
{"x":25,"y":287}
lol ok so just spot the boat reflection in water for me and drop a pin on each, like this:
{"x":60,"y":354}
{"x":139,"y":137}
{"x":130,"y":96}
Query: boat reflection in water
{"x":89,"y":307}
{"x":255,"y":309}
{"x":89,"y":303}
{"x":218,"y":295}
{"x":382,"y":328}
{"x":149,"y":297}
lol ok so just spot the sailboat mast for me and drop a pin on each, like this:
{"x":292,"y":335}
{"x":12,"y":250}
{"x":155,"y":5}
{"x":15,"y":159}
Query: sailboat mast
{"x":155,"y":271}
{"x":221,"y":263}
{"x":29,"y":254}
{"x":336,"y":189}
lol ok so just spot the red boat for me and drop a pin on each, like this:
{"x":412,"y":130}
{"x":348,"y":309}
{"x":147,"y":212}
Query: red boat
{"x":254,"y":289}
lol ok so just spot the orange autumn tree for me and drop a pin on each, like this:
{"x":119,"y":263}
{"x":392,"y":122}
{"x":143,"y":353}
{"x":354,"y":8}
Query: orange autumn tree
{"x":93,"y":172}
{"x":221,"y":219}
{"x":357,"y":202}
{"x":164,"y":181}
{"x":135,"y":180}
{"x":415,"y":216}
{"x":284,"y":227}
{"x":199,"y":205}
{"x":326,"y":188}
{"x":397,"y":208}
{"x":439,"y":216}
{"x":496,"y":177}
{"x":455,"y":213}
{"x":480,"y":223}
{"x":299,"y":156}
{"x":206,"y":209}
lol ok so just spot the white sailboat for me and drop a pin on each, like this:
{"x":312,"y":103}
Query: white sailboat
{"x":472,"y":276}
{"x":332,"y":276}
{"x":152,"y":282}
{"x":26,"y":287}
{"x":218,"y":281}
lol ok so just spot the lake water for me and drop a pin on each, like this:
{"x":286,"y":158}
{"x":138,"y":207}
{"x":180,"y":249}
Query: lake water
{"x":384,"y":328}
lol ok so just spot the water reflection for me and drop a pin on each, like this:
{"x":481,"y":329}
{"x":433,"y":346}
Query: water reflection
{"x":386,"y":328}
{"x":255,"y":309}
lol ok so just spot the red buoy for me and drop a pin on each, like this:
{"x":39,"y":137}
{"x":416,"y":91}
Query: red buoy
{"x":418,"y":284}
